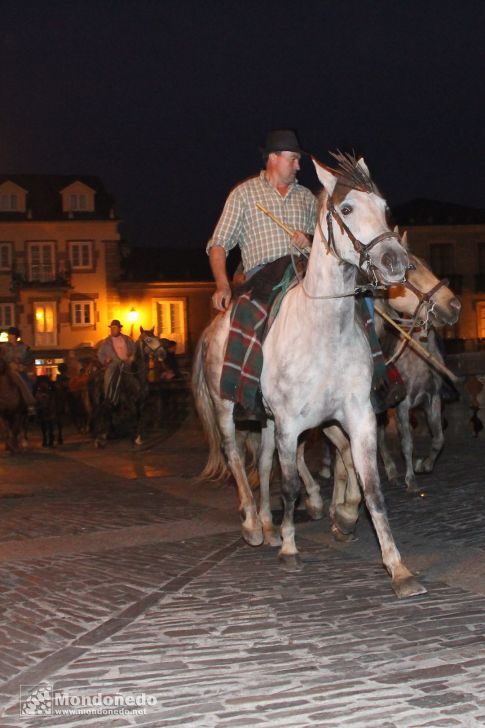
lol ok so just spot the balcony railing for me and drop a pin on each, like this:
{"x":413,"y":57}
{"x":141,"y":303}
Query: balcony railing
{"x":41,"y":276}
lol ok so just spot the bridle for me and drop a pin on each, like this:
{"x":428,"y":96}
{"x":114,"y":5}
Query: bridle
{"x":414,"y":324}
{"x":363,"y":249}
{"x":147,"y":342}
{"x":426,"y":300}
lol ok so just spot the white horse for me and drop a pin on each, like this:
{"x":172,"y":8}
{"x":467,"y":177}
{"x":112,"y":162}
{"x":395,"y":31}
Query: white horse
{"x":326,"y":374}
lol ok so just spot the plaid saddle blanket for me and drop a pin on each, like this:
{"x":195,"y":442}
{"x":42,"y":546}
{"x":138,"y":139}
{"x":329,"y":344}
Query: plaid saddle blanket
{"x":243,"y":362}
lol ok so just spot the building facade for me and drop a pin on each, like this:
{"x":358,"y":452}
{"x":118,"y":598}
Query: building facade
{"x":59,"y":260}
{"x":60,"y":271}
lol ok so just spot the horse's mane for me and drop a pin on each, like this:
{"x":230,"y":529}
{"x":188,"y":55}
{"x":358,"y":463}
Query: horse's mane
{"x":351,"y":174}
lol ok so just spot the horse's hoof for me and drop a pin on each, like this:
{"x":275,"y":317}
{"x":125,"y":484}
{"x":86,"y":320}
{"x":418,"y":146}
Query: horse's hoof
{"x":340,"y":535}
{"x":271,"y":538}
{"x":407,"y":587}
{"x":291,"y":562}
{"x":412,"y":489}
{"x":253,"y":537}
{"x":314,"y":511}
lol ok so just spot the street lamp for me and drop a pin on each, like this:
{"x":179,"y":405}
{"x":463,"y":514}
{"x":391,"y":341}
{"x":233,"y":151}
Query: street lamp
{"x":133,"y":316}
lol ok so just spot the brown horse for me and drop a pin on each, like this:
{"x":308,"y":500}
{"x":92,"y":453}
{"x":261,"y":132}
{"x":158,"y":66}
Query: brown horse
{"x":13,"y":410}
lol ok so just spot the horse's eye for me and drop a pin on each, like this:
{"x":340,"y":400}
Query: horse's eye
{"x":346,"y":210}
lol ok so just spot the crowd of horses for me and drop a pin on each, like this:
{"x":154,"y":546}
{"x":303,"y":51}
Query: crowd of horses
{"x":324,"y":378}
{"x":80,"y":399}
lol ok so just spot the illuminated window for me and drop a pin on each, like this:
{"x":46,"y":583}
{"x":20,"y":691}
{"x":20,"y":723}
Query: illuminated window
{"x":5,"y":256}
{"x":45,"y":323}
{"x":82,"y":313}
{"x":41,"y":262}
{"x":81,"y":255}
{"x":171,"y":321}
{"x":481,"y":320}
{"x":7,"y":315}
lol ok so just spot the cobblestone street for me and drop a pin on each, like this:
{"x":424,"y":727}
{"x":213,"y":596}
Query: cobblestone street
{"x":119,"y":575}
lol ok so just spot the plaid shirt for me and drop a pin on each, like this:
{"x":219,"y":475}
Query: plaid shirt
{"x":259,"y":238}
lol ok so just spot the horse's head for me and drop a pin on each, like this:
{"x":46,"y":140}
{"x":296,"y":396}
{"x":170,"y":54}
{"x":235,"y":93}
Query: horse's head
{"x":356,"y":227}
{"x":424,"y":295}
{"x":151,"y":345}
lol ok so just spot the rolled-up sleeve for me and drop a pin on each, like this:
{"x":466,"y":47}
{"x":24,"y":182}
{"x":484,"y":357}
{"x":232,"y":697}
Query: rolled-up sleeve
{"x":227,"y":233}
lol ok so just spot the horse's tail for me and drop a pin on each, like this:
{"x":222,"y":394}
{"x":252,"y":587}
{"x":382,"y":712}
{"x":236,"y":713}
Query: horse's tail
{"x":216,"y":466}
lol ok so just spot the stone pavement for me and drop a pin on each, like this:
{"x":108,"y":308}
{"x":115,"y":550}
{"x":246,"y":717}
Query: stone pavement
{"x":120,"y":576}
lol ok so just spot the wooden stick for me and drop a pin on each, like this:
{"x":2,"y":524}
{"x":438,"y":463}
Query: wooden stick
{"x":283,"y":226}
{"x":420,"y":349}
{"x":275,"y":219}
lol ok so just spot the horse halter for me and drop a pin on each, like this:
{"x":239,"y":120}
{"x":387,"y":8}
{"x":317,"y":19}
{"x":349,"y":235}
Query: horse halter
{"x":152,"y":349}
{"x":363,"y":249}
{"x":425,"y":299}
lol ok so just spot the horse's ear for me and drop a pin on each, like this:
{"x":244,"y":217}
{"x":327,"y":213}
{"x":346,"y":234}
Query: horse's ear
{"x":142,"y":330}
{"x":326,"y":175}
{"x":363,"y":166}
{"x":404,"y":239}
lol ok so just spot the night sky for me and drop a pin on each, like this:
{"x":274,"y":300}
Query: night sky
{"x":169,"y":101}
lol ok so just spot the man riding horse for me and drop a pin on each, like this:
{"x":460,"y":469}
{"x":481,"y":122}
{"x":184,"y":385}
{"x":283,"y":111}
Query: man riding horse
{"x":114,"y":352}
{"x":266,"y":259}
{"x":20,"y":360}
{"x":264,"y":250}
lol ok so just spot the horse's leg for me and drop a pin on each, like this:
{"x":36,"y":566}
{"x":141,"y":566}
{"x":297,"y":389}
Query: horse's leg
{"x":385,"y":453}
{"x":251,"y":525}
{"x":287,"y":444}
{"x":326,"y":469}
{"x":346,"y":498}
{"x":433,"y":415}
{"x":44,"y":429}
{"x":404,"y":428}
{"x":60,"y":438}
{"x":314,"y":500}
{"x":363,"y":438}
{"x":265,"y":464}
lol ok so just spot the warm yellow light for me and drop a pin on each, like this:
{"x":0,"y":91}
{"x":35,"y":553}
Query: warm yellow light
{"x":133,"y":315}
{"x":39,"y":314}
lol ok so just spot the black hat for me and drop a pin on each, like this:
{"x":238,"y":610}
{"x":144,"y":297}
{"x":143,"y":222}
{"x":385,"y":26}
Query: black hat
{"x":282,"y":140}
{"x":14,"y":331}
{"x":116,"y":322}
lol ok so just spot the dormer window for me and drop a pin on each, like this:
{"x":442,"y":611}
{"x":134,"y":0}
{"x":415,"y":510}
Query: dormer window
{"x":12,"y":197}
{"x":77,"y":197}
{"x":78,"y":203}
{"x":9,"y":203}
